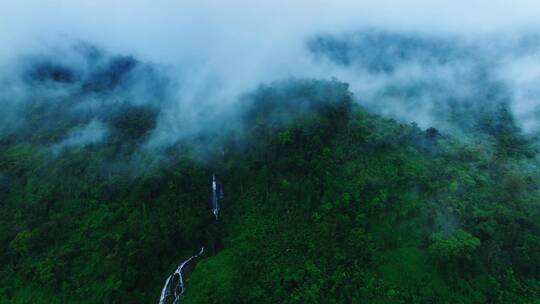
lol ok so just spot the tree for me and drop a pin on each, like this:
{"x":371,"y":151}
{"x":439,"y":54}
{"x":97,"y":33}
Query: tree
{"x":453,"y":248}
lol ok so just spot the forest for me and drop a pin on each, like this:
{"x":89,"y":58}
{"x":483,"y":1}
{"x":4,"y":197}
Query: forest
{"x":324,"y":202}
{"x":269,"y":152}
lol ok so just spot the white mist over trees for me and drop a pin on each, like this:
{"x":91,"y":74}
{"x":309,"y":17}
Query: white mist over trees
{"x":213,"y":53}
{"x":370,"y":152}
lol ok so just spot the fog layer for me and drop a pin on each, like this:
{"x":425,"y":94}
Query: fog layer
{"x":190,"y":62}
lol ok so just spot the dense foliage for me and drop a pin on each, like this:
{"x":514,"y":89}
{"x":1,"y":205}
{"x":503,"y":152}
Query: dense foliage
{"x":324,"y":203}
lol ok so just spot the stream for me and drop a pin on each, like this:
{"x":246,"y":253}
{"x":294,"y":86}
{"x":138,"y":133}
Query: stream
{"x":174,"y":285}
{"x":176,"y":290}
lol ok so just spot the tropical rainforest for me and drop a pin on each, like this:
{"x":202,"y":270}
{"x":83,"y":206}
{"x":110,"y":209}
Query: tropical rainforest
{"x":330,"y":195}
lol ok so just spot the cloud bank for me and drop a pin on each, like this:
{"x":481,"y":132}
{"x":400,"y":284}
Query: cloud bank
{"x":438,"y":56}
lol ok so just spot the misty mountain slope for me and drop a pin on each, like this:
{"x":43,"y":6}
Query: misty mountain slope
{"x":434,"y":80}
{"x":379,"y":212}
{"x":310,"y":151}
{"x":90,"y":95}
{"x":324,"y":202}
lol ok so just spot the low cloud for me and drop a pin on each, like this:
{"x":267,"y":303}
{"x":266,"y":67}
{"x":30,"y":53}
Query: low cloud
{"x":416,"y":61}
{"x":92,"y":133}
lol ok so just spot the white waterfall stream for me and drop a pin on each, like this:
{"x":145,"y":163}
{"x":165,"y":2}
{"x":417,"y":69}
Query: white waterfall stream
{"x":174,"y":285}
{"x":176,"y":290}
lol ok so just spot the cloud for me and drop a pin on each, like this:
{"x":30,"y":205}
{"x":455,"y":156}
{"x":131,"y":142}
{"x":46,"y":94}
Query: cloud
{"x":212,"y":52}
{"x":92,"y":133}
{"x":522,"y":76}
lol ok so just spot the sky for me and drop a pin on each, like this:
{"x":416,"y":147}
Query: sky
{"x":171,"y":30}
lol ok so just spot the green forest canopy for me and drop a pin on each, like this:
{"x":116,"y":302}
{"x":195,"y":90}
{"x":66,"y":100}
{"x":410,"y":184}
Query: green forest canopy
{"x":324,"y":203}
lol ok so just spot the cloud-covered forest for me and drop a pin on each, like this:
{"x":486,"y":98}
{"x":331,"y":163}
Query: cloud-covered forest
{"x":381,"y":154}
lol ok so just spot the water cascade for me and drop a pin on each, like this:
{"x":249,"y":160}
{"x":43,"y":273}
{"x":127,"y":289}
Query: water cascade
{"x":174,"y":285}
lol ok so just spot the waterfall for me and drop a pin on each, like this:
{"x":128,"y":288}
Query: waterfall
{"x":177,"y":289}
{"x":215,"y":197}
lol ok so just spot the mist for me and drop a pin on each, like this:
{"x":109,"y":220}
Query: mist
{"x":355,"y":151}
{"x":192,"y":62}
{"x":94,"y":132}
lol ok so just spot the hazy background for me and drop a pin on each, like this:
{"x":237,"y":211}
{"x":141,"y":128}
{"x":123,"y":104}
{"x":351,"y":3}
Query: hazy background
{"x":463,"y":53}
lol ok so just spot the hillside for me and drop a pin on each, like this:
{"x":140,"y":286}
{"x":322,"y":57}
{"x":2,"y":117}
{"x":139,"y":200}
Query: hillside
{"x":324,"y":202}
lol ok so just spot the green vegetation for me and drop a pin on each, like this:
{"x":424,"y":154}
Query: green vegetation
{"x":324,"y":203}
